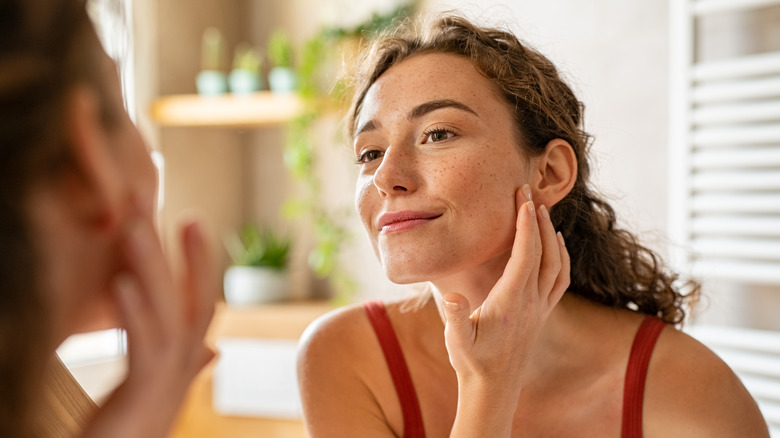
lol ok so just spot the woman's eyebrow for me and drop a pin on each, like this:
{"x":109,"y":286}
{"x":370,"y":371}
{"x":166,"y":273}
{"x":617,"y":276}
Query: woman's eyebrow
{"x":433,"y":105}
{"x":419,"y":111}
{"x":370,"y":125}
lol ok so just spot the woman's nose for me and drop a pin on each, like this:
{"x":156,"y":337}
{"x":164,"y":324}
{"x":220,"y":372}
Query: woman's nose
{"x":395,"y":174}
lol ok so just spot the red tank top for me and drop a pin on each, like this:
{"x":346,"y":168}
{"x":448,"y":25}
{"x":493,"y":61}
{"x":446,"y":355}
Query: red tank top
{"x":633,"y":389}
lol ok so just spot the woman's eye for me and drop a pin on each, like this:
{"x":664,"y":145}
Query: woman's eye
{"x":367,"y":156}
{"x":437,"y":135}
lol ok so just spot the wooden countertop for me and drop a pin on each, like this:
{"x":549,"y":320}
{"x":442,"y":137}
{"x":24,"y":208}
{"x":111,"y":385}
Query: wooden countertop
{"x":279,"y":321}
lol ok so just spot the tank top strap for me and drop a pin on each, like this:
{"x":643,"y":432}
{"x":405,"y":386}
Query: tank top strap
{"x":636,"y":375}
{"x":399,"y":371}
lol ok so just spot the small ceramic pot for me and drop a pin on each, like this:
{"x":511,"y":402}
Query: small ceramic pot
{"x":250,"y":286}
{"x":211,"y":83}
{"x":282,"y":80}
{"x":244,"y":82}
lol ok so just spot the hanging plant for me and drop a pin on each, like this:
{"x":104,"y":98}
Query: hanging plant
{"x":320,"y":97}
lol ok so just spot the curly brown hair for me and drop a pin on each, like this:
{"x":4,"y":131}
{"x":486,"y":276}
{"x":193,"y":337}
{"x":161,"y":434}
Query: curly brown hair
{"x":608,"y":264}
{"x":47,"y":47}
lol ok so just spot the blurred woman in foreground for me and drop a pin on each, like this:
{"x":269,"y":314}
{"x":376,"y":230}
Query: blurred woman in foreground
{"x":79,"y":245}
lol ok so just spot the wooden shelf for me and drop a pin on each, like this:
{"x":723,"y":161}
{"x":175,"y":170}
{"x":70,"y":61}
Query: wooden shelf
{"x":258,"y":109}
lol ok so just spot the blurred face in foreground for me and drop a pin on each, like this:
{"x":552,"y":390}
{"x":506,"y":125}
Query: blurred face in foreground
{"x":81,"y":215}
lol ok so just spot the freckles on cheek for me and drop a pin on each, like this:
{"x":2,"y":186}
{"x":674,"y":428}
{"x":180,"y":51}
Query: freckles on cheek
{"x":467,"y":180}
{"x":362,"y":197}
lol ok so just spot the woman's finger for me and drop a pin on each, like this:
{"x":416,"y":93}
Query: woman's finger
{"x":458,"y":329}
{"x":564,"y":278}
{"x":550,"y":266}
{"x":522,"y":268}
{"x":137,"y":320}
{"x":199,"y":278}
{"x":148,"y":265}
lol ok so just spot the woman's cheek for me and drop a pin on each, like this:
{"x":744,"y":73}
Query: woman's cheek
{"x":363,"y":191}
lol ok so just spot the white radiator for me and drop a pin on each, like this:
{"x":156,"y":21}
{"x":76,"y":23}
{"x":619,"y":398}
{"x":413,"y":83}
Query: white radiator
{"x":755,"y":356}
{"x":724,"y":152}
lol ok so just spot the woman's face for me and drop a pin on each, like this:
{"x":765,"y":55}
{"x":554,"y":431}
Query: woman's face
{"x":83,"y":296}
{"x":137,"y":178}
{"x":439,"y":168}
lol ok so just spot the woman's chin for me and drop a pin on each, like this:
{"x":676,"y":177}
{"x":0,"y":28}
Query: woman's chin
{"x":407,"y":274}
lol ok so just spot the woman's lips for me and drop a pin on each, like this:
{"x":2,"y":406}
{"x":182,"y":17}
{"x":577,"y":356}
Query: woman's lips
{"x":404,"y":220}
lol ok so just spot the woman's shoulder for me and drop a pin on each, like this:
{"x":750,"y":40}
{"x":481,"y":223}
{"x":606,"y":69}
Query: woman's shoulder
{"x":336,"y":333}
{"x":695,"y":393}
{"x":339,"y":370}
{"x":349,"y":328}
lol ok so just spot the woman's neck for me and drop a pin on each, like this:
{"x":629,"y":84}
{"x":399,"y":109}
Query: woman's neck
{"x":474,"y":284}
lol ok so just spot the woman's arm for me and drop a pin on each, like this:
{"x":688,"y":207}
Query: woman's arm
{"x":489,"y":347}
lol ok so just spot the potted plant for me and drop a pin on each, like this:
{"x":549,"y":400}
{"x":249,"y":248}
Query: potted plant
{"x":245,"y":76}
{"x":211,"y":79}
{"x":281,"y":78}
{"x":258,"y":274}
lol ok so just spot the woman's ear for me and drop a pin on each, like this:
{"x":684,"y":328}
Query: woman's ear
{"x":554,"y":172}
{"x":94,"y":182}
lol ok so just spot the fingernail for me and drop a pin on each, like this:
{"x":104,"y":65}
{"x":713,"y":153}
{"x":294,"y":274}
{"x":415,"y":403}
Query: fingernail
{"x":560,"y":239}
{"x":192,"y":233}
{"x":451,"y":305}
{"x":544,"y":212}
{"x":527,"y":192}
{"x":531,"y":208}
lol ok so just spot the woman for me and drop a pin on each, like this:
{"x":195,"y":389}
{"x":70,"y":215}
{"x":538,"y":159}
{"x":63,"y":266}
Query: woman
{"x":79,"y":246}
{"x":471,"y":155}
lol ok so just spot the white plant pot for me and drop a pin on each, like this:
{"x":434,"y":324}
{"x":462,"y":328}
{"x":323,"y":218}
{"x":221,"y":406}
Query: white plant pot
{"x":243,"y":82}
{"x":282,"y":80}
{"x":249,"y":286}
{"x":211,"y":83}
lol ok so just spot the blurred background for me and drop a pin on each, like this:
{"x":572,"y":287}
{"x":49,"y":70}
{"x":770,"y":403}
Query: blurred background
{"x":616,"y":55}
{"x":681,"y":98}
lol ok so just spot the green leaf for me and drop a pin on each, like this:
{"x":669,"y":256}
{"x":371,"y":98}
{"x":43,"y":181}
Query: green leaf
{"x":254,"y":246}
{"x":294,"y":208}
{"x":280,"y":49}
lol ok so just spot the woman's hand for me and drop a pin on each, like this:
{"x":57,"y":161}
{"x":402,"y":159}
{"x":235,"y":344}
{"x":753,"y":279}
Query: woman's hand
{"x":489,"y":347}
{"x":166,"y":322}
